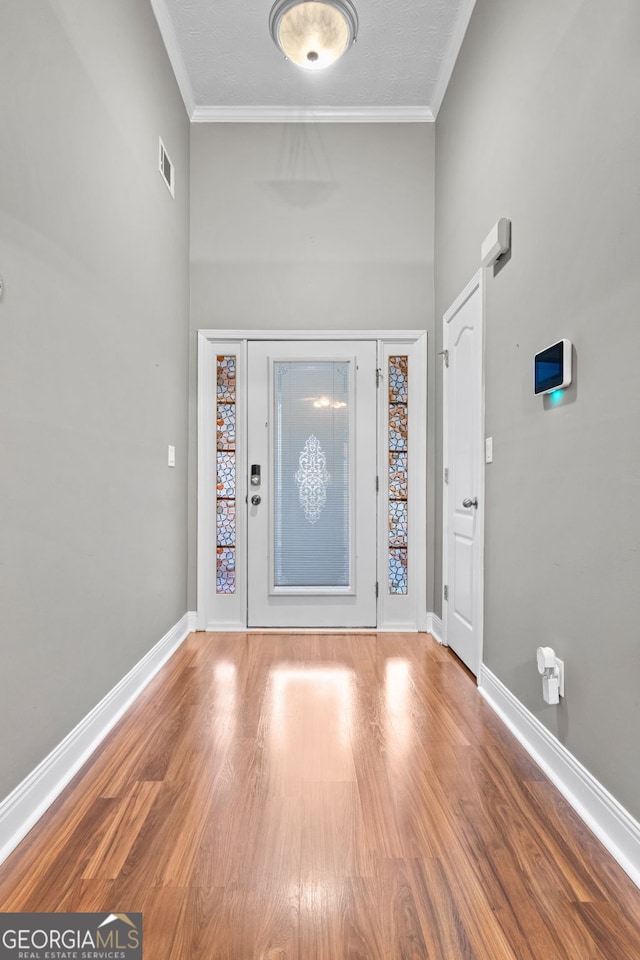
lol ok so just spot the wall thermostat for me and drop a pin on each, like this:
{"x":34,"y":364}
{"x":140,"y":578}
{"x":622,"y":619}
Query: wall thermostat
{"x":552,"y":368}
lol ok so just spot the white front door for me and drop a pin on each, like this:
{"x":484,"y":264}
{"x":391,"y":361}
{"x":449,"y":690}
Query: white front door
{"x":464,"y":476}
{"x":311,"y":521}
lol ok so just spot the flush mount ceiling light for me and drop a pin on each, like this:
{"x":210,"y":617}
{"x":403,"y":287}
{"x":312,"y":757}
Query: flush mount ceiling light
{"x":313,"y":33}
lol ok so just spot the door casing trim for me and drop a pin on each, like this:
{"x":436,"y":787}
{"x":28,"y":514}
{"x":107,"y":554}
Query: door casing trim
{"x":208,"y":341}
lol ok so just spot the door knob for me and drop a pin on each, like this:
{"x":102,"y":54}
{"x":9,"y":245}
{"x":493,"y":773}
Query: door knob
{"x":256,"y":499}
{"x":467,"y":502}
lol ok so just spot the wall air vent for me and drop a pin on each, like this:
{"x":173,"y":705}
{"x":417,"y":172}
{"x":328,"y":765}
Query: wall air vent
{"x":166,"y":169}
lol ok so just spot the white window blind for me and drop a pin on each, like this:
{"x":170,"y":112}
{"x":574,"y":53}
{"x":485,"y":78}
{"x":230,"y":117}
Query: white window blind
{"x":312,"y":473}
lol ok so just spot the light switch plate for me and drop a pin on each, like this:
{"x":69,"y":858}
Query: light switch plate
{"x":171,"y":456}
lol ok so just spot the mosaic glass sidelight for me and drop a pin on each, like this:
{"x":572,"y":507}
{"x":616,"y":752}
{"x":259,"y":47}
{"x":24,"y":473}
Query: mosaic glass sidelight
{"x":226,"y":426}
{"x":398,"y":435}
{"x":312,"y":474}
{"x":226,"y":475}
{"x":397,"y":475}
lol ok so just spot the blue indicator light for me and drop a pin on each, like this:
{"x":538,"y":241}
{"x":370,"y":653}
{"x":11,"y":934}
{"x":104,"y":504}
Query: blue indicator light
{"x":556,"y":396}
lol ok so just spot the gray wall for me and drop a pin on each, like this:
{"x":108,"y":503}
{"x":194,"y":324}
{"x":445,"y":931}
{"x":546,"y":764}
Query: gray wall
{"x":308,"y":226}
{"x":540,"y":124}
{"x":93,"y":361}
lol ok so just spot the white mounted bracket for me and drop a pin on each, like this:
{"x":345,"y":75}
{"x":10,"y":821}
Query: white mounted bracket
{"x":496,"y":243}
{"x":551,"y":669}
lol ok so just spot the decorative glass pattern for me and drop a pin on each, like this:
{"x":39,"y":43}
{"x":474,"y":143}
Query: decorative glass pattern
{"x":312,"y":478}
{"x":226,"y":379}
{"x":398,"y":426}
{"x":226,"y":475}
{"x":312,"y":469}
{"x":397,"y":523}
{"x":226,"y":523}
{"x":226,"y":570}
{"x":226,"y":426}
{"x":398,"y":379}
{"x":397,"y":475}
{"x":398,"y":434}
{"x":398,"y":572}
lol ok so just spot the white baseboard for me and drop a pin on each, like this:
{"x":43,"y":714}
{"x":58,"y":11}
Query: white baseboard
{"x":434,"y":626}
{"x":25,"y":805}
{"x":608,"y":819}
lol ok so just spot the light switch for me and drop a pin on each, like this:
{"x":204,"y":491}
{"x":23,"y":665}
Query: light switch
{"x":488,"y":450}
{"x":171,"y":456}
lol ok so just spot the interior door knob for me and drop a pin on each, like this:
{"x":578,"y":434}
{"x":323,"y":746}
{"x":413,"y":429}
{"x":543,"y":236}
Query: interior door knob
{"x":467,"y":502}
{"x":256,"y":499}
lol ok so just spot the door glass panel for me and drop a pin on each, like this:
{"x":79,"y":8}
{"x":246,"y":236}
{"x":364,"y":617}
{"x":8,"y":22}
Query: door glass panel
{"x":312,"y":474}
{"x":398,"y":456}
{"x":226,"y":475}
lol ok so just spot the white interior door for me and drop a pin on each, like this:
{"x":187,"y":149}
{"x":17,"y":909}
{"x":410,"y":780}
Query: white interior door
{"x":464,"y":476}
{"x":311,"y":522}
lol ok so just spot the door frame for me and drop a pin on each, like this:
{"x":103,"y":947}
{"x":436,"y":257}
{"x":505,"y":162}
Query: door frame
{"x":475,"y":284}
{"x":393,"y":613}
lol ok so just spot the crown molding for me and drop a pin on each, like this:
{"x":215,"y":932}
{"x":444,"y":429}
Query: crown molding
{"x":226,"y":114}
{"x":451,"y":55}
{"x":168,"y":33}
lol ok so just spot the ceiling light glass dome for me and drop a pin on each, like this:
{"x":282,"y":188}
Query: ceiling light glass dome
{"x":313,"y":34}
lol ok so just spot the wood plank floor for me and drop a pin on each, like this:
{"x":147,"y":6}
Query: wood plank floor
{"x":311,"y":797}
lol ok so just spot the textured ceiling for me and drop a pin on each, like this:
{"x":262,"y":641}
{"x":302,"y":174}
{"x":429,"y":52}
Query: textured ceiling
{"x":226,"y":62}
